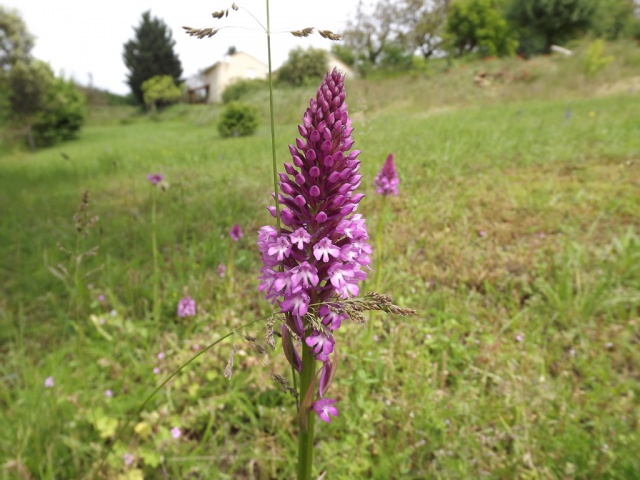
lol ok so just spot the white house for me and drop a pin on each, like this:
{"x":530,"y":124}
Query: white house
{"x":213,"y":80}
{"x":208,"y":85}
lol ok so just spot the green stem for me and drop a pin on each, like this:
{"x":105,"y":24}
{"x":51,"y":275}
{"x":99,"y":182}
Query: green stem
{"x":273,"y":130}
{"x":229,"y":271}
{"x":156,"y":270}
{"x":306,"y":419}
{"x":376,"y":284}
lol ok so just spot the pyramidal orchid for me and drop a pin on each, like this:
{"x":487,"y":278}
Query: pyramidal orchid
{"x":386,"y":181}
{"x":321,"y":253}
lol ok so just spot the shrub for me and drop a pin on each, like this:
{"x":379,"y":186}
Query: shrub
{"x":62,"y":113}
{"x":595,"y":60}
{"x":237,"y":120}
{"x":304,"y":66}
{"x":241,"y":88}
{"x":160,"y":91}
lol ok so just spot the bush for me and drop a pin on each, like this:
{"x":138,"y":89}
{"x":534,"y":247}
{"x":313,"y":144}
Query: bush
{"x":241,"y":88}
{"x":62,"y":114}
{"x":595,"y":60}
{"x":160,"y":91}
{"x":304,"y":66}
{"x":237,"y":120}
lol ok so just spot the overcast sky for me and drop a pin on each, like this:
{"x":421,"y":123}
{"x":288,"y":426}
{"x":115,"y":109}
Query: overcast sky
{"x":83,"y":37}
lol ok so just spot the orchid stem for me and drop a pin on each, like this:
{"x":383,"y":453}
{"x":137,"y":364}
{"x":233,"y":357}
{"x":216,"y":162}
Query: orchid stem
{"x":306,"y":419}
{"x":376,"y":284}
{"x":156,"y":270}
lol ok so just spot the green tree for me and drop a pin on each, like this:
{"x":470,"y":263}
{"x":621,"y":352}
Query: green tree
{"x":15,"y":40}
{"x":150,"y":54}
{"x":478,"y":26}
{"x":615,"y":19}
{"x":368,"y":35}
{"x":160,"y":90}
{"x":303,"y":66}
{"x":43,"y":108}
{"x":422,"y":24}
{"x":543,"y":23}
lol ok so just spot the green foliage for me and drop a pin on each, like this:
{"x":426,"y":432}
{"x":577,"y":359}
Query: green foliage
{"x":543,"y":23}
{"x":303,"y":67}
{"x":61,"y":114}
{"x":477,"y":26}
{"x":241,"y":88}
{"x":513,"y":325}
{"x":149,"y":54}
{"x":595,"y":59}
{"x":15,"y":40}
{"x":344,"y":53}
{"x":237,"y":120}
{"x":615,"y":19}
{"x":160,"y":90}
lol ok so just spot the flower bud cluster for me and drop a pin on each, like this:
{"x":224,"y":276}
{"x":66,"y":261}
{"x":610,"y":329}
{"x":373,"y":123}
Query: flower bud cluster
{"x":321,"y":253}
{"x":386,"y":181}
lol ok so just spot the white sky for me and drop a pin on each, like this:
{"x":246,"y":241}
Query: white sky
{"x":82,"y":37}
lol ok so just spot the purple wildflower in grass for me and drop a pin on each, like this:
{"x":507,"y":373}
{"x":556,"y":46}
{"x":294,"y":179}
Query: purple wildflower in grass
{"x":324,"y":407}
{"x":160,"y":355}
{"x":155,"y":178}
{"x":156,"y":370}
{"x":187,"y":307}
{"x":108,"y":393}
{"x":386,"y":181}
{"x":322,"y":252}
{"x":49,"y":383}
{"x":221,"y":270}
{"x":175,"y":433}
{"x":236,"y":233}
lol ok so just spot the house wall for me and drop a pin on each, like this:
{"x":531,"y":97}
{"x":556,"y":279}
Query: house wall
{"x":230,"y":69}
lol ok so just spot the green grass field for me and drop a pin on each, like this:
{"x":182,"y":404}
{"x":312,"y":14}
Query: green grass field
{"x":515,"y":236}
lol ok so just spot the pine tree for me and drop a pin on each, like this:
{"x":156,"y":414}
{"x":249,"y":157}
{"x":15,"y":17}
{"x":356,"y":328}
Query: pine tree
{"x":150,"y":54}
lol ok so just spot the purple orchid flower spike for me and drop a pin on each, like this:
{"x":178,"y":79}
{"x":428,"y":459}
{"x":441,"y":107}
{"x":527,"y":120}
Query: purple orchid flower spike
{"x":321,"y":253}
{"x":387,"y":181}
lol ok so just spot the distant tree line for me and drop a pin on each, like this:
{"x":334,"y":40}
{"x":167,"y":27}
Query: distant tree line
{"x":390,"y":33}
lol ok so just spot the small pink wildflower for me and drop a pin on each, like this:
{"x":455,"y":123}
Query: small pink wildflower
{"x":128,"y":459}
{"x":108,"y":393}
{"x":221,"y":270}
{"x":187,"y":307}
{"x":155,"y":178}
{"x":176,"y":432}
{"x":49,"y":383}
{"x":236,"y":233}
{"x":160,"y":355}
{"x":156,"y":370}
{"x":324,"y":407}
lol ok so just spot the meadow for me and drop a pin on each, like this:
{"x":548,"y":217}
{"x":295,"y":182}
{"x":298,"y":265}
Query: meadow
{"x":515,"y":237}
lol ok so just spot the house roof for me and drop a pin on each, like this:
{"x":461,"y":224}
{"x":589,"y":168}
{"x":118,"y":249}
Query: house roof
{"x":237,"y":53}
